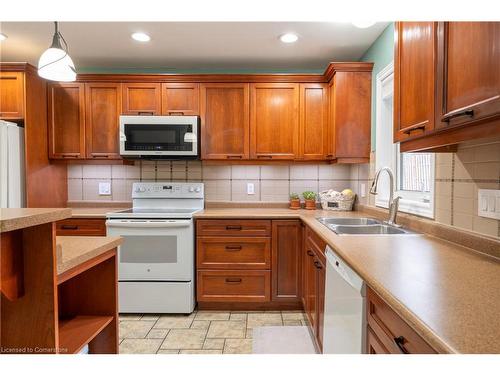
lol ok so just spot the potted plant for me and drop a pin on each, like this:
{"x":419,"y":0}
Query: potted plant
{"x":310,"y":198}
{"x":294,"y":201}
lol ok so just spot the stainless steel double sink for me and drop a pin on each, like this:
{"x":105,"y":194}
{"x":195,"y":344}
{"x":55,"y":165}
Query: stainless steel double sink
{"x":361,"y":226}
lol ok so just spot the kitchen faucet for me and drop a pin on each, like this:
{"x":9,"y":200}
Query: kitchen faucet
{"x":393,"y":202}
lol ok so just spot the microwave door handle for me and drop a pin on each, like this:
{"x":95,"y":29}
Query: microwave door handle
{"x":147,"y":224}
{"x":123,"y":137}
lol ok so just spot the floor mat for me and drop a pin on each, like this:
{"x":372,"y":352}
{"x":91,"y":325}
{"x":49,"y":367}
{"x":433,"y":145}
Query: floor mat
{"x":282,"y":340}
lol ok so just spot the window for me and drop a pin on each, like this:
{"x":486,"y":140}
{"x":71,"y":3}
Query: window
{"x":413,"y":172}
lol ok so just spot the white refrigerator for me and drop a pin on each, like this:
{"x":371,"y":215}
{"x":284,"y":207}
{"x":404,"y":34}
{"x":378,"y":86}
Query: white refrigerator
{"x":12,"y":193}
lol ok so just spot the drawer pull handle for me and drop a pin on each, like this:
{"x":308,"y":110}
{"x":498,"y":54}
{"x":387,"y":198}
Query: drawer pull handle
{"x":318,"y":265}
{"x":467,"y":112}
{"x":100,"y":156}
{"x":150,"y":113}
{"x":310,"y":253}
{"x":233,"y":280}
{"x":234,"y":156}
{"x":264,"y":156}
{"x":233,"y":248}
{"x":69,"y":227}
{"x":179,"y":113}
{"x":413,"y":128}
{"x":233,"y":227}
{"x":399,"y":341}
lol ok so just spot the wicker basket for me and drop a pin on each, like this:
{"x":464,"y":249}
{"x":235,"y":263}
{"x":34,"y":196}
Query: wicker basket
{"x":336,"y":202}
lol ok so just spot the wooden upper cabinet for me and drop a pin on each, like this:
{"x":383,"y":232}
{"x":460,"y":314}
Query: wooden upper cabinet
{"x":414,"y":79}
{"x":468,"y":72}
{"x":66,"y":114}
{"x":102,"y":106}
{"x":141,"y":98}
{"x":274,"y":120}
{"x":351,"y":115}
{"x":11,"y":95}
{"x":313,"y":129}
{"x":225,"y":120}
{"x":286,"y":260}
{"x":180,"y":99}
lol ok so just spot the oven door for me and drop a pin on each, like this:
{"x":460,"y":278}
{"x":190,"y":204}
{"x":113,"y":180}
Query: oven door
{"x":154,"y":250}
{"x":159,"y":136}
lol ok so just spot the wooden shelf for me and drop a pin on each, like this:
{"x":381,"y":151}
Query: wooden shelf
{"x":76,"y":332}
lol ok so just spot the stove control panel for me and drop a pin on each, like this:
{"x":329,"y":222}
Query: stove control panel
{"x":167,"y":190}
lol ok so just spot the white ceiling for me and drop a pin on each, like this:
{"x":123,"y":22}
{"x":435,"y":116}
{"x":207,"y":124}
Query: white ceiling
{"x":193,"y":46}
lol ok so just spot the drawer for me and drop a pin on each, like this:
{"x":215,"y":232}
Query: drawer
{"x":233,"y":252}
{"x":391,"y":329}
{"x":240,"y":228}
{"x":374,"y":346}
{"x":315,"y":244}
{"x":81,"y":227}
{"x":234,"y":286}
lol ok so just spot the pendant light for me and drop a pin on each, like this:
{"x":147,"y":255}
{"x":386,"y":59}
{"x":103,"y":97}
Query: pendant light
{"x":55,"y":63}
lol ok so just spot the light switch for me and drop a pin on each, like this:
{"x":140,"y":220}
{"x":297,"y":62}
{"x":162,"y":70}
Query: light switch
{"x":250,"y":188}
{"x":104,"y":188}
{"x":488,"y":203}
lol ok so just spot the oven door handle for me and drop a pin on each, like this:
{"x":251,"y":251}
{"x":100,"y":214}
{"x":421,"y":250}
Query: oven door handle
{"x":148,"y":224}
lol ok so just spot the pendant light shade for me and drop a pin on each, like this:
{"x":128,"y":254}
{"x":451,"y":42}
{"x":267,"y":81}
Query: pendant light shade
{"x":55,"y":63}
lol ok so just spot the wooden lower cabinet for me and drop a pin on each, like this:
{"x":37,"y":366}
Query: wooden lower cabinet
{"x":388,"y":333}
{"x":81,"y":227}
{"x":313,"y":264}
{"x":286,"y":265}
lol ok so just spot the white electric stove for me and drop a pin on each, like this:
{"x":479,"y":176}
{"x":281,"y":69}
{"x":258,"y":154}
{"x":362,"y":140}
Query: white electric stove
{"x":156,"y":259}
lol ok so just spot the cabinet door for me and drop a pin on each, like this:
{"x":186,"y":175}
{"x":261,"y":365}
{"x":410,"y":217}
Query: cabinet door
{"x":330,"y":153}
{"x":468,"y":72}
{"x":11,"y":95}
{"x":320,"y":298}
{"x":180,"y":99}
{"x":66,"y":121}
{"x":286,"y":256}
{"x":414,"y":79}
{"x":225,"y":120}
{"x":274,"y":120}
{"x":313,"y":136}
{"x":102,"y":112}
{"x":141,"y":98}
{"x":310,"y":285}
{"x":352,"y":115}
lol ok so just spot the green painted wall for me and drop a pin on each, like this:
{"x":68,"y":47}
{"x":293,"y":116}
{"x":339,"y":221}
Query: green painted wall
{"x":381,"y":53}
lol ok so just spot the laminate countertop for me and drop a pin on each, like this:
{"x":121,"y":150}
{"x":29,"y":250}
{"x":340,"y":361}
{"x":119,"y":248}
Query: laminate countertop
{"x":19,"y":218}
{"x":71,"y":251}
{"x":447,"y":293}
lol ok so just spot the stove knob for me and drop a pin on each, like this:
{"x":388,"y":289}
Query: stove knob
{"x":191,"y":189}
{"x":197,"y":189}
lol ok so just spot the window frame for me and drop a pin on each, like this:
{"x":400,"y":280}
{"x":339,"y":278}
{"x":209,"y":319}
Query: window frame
{"x":411,"y":202}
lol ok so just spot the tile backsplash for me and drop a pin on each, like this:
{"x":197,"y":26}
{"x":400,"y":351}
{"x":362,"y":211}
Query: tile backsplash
{"x":458,"y":176}
{"x":272,"y":183}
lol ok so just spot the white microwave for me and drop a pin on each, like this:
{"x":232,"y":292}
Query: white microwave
{"x":159,"y":137}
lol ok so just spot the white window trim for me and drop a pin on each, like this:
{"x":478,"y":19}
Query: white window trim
{"x":410,"y":202}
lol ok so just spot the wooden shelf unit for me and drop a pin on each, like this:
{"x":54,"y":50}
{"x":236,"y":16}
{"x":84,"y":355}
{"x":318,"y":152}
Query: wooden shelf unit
{"x":80,"y":330}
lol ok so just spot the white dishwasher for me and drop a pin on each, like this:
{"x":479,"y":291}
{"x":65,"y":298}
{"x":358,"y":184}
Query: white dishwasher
{"x":344,"y":322}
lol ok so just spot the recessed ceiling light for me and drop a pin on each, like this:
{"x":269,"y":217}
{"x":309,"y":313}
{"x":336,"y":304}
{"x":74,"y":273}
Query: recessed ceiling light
{"x":141,"y":37}
{"x":363,"y":24}
{"x":2,"y":37}
{"x":289,"y":38}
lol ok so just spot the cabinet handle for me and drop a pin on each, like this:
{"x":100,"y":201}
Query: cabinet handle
{"x":399,"y":341}
{"x":233,"y":248}
{"x":176,"y":113}
{"x":69,"y":227}
{"x":233,"y":280}
{"x":413,"y":128}
{"x":69,"y":156}
{"x":233,"y":227}
{"x":100,"y":156}
{"x":467,"y":112}
{"x":150,"y":113}
{"x":264,"y":156}
{"x":318,"y":265}
{"x":234,"y":157}
{"x":310,"y":253}
{"x":329,"y":155}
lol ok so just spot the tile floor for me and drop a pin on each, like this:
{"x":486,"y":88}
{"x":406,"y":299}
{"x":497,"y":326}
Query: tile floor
{"x":202,"y":332}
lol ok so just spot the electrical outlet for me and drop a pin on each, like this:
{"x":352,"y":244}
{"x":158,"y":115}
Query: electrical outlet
{"x":250,"y":188}
{"x":363,"y":190}
{"x":488,"y":203}
{"x":104,"y":188}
